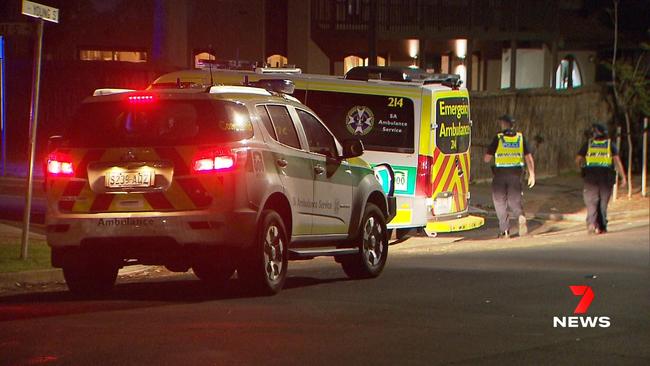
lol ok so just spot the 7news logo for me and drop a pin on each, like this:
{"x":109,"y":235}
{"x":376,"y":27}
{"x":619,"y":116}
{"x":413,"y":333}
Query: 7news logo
{"x":586,"y":297}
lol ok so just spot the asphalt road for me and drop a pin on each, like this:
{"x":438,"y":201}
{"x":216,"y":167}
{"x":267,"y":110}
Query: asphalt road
{"x":12,"y":208}
{"x":467,"y":302}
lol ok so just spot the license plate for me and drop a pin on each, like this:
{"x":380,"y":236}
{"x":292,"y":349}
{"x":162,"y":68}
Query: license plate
{"x":130,"y":179}
{"x":442,"y":205}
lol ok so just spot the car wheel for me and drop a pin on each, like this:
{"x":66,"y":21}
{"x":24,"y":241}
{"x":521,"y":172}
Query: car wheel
{"x":263,"y":268}
{"x":90,"y":278}
{"x":373,"y":246}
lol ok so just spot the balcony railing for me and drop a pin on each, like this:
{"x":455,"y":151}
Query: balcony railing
{"x":421,"y":18}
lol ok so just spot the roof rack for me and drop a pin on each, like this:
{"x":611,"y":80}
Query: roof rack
{"x":406,"y":74}
{"x":261,"y":87}
{"x":227,"y":64}
{"x":109,"y":91}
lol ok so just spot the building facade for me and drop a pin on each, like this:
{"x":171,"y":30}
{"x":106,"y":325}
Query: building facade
{"x":492,"y":44}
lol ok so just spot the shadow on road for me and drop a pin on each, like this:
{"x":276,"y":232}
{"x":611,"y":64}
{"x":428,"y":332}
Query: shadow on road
{"x":490,"y":230}
{"x":133,"y":295}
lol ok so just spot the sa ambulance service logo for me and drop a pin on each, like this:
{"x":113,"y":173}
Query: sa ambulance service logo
{"x":360,"y":120}
{"x":579,"y":320}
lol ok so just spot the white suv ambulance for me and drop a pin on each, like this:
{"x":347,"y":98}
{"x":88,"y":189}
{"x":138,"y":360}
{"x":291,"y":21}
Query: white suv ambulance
{"x":223,"y":179}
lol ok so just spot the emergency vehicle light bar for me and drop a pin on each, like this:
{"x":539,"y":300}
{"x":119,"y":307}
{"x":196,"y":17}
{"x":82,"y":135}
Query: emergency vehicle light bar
{"x":222,"y":89}
{"x":275,"y":85}
{"x":109,"y":91}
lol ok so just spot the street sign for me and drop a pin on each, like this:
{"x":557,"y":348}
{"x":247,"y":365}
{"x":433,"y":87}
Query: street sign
{"x":41,"y":11}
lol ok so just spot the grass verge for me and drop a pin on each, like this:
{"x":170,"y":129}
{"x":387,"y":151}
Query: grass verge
{"x":38,"y":258}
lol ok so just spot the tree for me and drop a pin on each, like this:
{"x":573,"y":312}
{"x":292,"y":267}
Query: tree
{"x":631,"y":90}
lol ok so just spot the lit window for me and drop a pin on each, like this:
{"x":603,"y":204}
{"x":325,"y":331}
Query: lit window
{"x":567,"y":74}
{"x":200,"y":57}
{"x":350,"y":62}
{"x":380,"y":61}
{"x":277,"y":60}
{"x":113,"y":55}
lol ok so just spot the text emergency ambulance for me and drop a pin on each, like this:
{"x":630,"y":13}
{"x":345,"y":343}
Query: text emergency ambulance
{"x":417,"y":122}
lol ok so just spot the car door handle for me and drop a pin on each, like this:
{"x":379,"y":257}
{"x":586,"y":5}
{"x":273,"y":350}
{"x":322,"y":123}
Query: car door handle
{"x":281,"y":163}
{"x":319,"y":170}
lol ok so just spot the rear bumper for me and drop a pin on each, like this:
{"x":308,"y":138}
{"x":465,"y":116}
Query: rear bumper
{"x":454,"y":225}
{"x":140,"y":230}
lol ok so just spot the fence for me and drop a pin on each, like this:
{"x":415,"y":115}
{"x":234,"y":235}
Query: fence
{"x":554,"y":123}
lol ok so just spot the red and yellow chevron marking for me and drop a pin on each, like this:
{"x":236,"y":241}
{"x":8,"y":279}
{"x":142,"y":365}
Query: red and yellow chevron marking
{"x":447,"y":177}
{"x":186,"y":192}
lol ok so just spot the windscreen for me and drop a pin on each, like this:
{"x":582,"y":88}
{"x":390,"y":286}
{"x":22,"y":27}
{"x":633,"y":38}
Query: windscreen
{"x":381,"y":122}
{"x":158,"y":123}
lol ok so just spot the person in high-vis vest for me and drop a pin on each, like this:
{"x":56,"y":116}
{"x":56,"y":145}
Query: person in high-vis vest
{"x":597,"y":158}
{"x":511,"y":155}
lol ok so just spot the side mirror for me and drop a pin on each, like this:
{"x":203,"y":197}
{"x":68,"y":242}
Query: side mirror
{"x":54,"y":142}
{"x":352,"y":148}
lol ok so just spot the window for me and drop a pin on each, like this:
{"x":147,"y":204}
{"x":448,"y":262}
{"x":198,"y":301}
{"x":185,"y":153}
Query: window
{"x":350,"y":62}
{"x":380,"y":61}
{"x":284,"y":126}
{"x":319,"y":139}
{"x":159,"y":123}
{"x":277,"y":60}
{"x":200,"y":57}
{"x":382,"y":122}
{"x":567,"y":74}
{"x":113,"y":55}
{"x":266,"y":121}
{"x":454,"y":131}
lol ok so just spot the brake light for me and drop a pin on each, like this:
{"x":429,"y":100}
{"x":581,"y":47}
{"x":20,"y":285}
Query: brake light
{"x":214,"y":160}
{"x":59,"y":166}
{"x":141,"y":99}
{"x":424,"y":183}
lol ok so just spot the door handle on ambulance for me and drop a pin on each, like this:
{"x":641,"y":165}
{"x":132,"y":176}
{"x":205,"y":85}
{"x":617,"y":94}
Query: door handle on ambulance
{"x":281,"y":163}
{"x":319,"y":170}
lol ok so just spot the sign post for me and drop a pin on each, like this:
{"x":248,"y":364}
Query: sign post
{"x":41,"y":12}
{"x":3,"y":106}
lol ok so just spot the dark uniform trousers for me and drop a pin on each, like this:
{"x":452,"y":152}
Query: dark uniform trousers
{"x":506,"y":192}
{"x":597,"y":193}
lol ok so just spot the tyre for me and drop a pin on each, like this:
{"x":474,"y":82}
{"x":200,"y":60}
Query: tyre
{"x":90,"y":277}
{"x":373,"y":246}
{"x":403,"y":234}
{"x":263,"y":267}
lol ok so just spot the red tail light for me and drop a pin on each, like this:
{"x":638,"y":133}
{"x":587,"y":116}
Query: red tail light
{"x":424,"y":183}
{"x":59,"y":165}
{"x":214,"y":161}
{"x":141,"y":99}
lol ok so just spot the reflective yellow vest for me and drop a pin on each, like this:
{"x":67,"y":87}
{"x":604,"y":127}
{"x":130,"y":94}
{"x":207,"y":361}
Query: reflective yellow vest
{"x":510,"y":151}
{"x":599,"y":153}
